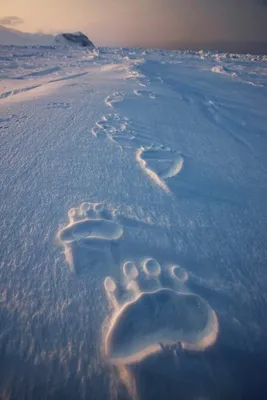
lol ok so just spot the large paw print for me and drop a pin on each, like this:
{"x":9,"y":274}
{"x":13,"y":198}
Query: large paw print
{"x":150,"y":319}
{"x":91,"y":225}
{"x":160,"y":163}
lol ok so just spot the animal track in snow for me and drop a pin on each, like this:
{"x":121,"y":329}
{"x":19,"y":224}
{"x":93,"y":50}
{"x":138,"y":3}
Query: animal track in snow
{"x":144,"y":93}
{"x":91,"y":224}
{"x":133,"y":75}
{"x":114,"y":98}
{"x":136,"y":76}
{"x":146,"y":321}
{"x":110,"y":126}
{"x":118,"y":129}
{"x":58,"y":105}
{"x":159,"y":78}
{"x":160,"y":163}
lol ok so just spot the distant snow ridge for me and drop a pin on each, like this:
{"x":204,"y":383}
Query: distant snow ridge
{"x":76,"y":38}
{"x":14,"y":37}
{"x":10,"y":36}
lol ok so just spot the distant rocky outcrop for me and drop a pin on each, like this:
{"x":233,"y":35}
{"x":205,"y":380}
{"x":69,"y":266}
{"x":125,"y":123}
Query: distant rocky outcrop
{"x":76,"y":38}
{"x":10,"y":36}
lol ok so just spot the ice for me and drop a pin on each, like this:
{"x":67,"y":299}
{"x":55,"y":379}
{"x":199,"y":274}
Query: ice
{"x":133,"y":223}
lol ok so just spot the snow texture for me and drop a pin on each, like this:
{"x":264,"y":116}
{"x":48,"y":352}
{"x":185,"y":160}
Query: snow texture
{"x":133,"y":224}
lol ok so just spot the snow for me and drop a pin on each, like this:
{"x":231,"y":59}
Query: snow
{"x":219,"y":69}
{"x":133,"y":223}
{"x":10,"y":36}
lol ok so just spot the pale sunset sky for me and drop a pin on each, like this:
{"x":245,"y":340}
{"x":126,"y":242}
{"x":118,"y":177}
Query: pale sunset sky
{"x":142,"y":22}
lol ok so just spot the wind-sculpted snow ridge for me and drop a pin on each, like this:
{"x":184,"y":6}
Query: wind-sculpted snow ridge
{"x":144,"y":321}
{"x":227,"y":56}
{"x":24,"y":70}
{"x":212,"y":54}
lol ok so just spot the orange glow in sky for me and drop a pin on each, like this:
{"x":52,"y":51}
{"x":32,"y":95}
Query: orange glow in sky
{"x":143,"y":21}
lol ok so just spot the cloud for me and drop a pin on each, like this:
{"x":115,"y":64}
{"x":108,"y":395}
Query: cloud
{"x":11,"y":21}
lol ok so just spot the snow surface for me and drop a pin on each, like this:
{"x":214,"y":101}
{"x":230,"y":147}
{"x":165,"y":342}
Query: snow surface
{"x":133,"y":224}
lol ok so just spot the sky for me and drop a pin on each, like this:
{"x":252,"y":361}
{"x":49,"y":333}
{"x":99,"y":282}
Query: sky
{"x":153,"y":23}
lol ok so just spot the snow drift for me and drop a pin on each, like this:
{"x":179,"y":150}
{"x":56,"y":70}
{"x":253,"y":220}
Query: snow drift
{"x":10,"y":36}
{"x":14,"y":37}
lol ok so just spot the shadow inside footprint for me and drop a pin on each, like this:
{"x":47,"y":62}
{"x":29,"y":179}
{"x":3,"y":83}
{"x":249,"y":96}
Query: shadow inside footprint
{"x":91,"y":228}
{"x":160,"y":163}
{"x":158,"y":318}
